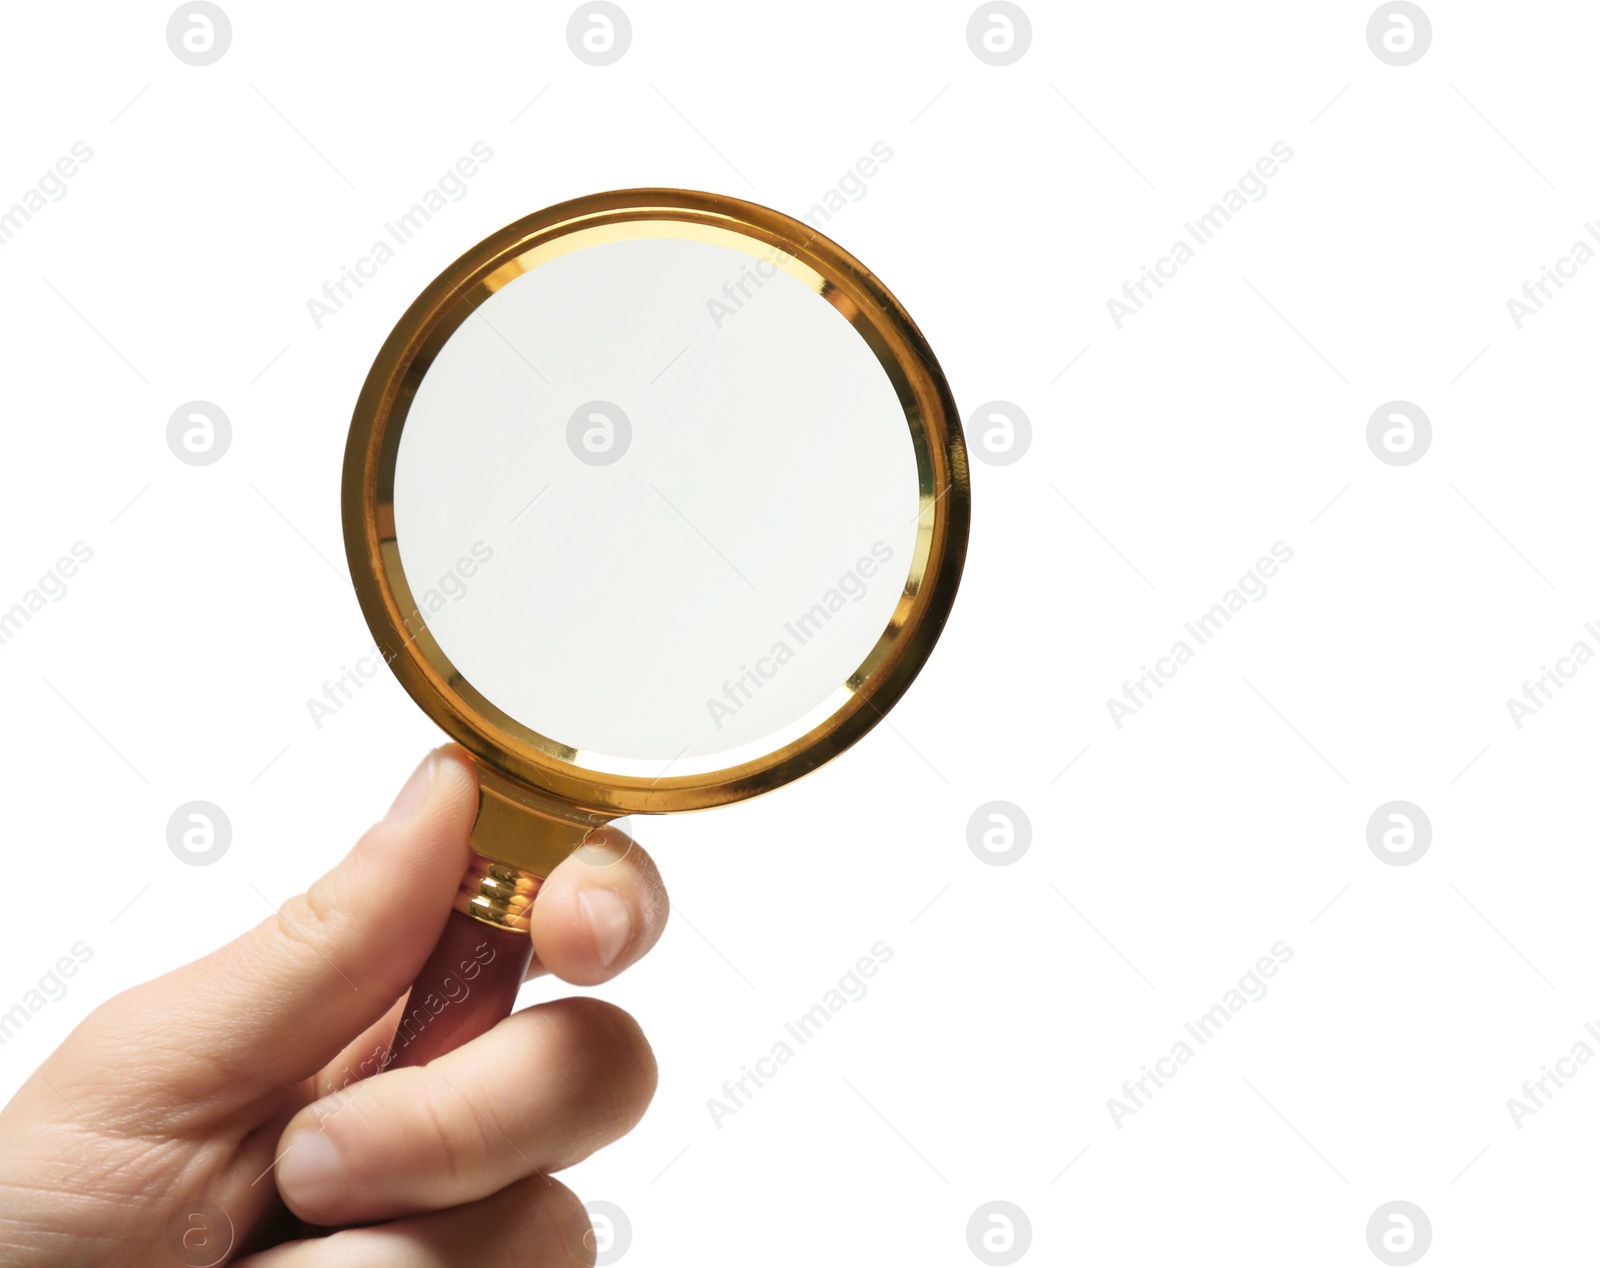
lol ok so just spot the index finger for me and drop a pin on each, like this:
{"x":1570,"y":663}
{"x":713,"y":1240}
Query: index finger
{"x":599,"y":911}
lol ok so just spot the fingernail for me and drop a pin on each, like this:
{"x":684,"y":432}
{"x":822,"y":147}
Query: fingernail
{"x":311,"y":1173}
{"x":416,"y":790}
{"x":610,"y":918}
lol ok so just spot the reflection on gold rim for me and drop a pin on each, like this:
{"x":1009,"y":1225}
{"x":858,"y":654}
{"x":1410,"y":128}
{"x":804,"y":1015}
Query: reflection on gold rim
{"x":535,"y":760}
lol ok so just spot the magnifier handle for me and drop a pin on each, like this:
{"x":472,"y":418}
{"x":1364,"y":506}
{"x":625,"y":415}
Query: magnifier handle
{"x":468,"y":984}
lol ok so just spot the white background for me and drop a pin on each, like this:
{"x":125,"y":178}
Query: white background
{"x":1225,"y":817}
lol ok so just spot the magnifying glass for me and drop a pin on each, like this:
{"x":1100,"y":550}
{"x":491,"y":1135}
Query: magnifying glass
{"x":653,"y":500}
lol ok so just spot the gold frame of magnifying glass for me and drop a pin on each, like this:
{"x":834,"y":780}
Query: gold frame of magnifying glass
{"x":535,"y":802}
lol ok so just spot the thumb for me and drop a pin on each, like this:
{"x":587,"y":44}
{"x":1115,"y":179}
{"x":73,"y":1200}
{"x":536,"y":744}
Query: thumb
{"x":279,"y":1003}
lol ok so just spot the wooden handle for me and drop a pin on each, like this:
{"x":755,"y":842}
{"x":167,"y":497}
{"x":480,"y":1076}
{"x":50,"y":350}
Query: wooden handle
{"x":468,"y":984}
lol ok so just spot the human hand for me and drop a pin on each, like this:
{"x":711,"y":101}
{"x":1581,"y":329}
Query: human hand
{"x":151,"y":1136}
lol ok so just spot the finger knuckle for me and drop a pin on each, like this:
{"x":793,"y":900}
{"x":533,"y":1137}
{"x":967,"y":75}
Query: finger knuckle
{"x":308,"y":920}
{"x":462,"y":1139}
